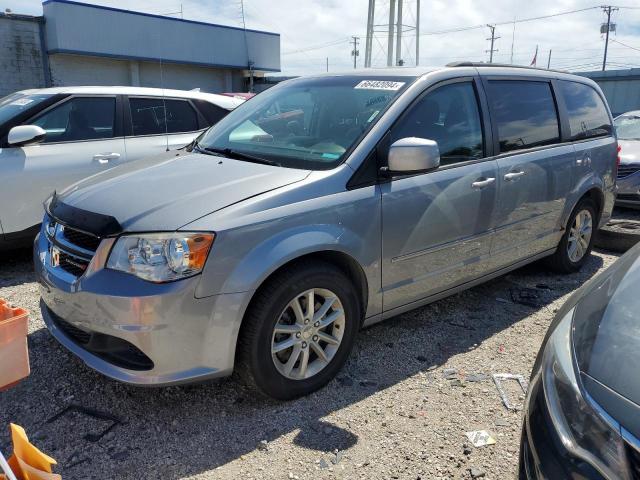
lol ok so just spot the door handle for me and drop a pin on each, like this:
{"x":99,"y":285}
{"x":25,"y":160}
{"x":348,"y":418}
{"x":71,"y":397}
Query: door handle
{"x":483,"y":183}
{"x":106,"y":157}
{"x":513,"y":176}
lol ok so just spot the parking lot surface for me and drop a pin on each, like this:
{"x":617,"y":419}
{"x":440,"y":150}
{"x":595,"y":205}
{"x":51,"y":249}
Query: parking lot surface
{"x":412,"y":388}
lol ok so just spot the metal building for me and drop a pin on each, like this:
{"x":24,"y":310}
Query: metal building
{"x":76,"y":43}
{"x":621,"y":87}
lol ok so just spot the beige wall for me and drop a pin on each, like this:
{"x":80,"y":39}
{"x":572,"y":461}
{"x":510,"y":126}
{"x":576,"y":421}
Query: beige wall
{"x":84,"y":70}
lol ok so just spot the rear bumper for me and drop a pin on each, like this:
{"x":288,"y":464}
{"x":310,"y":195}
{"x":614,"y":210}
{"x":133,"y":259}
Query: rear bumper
{"x":136,"y":331}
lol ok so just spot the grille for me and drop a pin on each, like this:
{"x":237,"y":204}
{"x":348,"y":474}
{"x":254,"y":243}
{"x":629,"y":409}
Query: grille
{"x":626,"y":170}
{"x":114,"y":350}
{"x":77,"y":335}
{"x":81,"y":239}
{"x":73,"y":265}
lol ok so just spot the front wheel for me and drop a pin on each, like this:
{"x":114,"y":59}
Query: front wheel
{"x":576,"y":243}
{"x":299,"y":330}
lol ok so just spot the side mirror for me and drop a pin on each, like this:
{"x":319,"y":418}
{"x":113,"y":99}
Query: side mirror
{"x":413,"y":155}
{"x":25,"y":135}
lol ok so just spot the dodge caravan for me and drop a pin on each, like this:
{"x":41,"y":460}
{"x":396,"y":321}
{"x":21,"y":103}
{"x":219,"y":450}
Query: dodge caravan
{"x":323,"y":205}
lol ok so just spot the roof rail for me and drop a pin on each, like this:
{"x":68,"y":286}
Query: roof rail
{"x":502,"y":65}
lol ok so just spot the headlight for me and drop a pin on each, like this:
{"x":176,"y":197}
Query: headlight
{"x":584,"y":428}
{"x":161,"y":257}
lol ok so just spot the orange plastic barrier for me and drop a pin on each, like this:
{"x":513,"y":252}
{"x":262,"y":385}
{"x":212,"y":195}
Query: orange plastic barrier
{"x":14,"y":356}
{"x":27,"y":462}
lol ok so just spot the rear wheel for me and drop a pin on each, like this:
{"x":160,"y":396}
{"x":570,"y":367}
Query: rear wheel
{"x":576,"y":243}
{"x":299,"y":330}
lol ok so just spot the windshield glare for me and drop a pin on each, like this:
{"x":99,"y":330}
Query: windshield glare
{"x":14,"y":104}
{"x":628,"y":127}
{"x":309,"y":124}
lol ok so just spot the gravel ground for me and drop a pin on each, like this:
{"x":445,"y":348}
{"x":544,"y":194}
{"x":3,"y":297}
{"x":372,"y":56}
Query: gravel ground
{"x":399,"y":409}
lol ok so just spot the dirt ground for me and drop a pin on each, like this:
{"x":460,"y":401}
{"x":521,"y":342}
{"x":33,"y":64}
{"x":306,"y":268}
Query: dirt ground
{"x":413,"y":387}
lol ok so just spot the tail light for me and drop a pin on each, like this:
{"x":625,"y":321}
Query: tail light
{"x":618,"y":157}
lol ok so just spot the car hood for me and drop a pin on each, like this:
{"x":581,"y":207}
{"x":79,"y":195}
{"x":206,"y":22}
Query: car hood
{"x":168,"y":191}
{"x":629,"y":151}
{"x":607,"y":341}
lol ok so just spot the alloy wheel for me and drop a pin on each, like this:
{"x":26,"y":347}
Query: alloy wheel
{"x":580,"y":236}
{"x":308,"y":334}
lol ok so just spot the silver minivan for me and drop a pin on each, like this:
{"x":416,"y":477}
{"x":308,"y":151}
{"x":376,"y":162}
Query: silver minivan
{"x":323,"y":205}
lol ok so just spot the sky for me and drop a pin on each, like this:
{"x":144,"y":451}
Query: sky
{"x":314,"y":32}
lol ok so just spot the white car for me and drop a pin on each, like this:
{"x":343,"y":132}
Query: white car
{"x":51,"y":138}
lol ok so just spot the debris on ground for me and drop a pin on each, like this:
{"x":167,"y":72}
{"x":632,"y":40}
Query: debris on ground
{"x":498,"y":378}
{"x":476,"y":472}
{"x":480,"y":438}
{"x":526,"y":296}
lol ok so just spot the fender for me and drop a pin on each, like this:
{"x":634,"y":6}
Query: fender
{"x":585,"y":184}
{"x":276,"y":251}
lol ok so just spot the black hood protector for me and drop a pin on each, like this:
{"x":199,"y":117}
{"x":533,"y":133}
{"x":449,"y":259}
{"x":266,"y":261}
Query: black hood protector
{"x":89,"y":222}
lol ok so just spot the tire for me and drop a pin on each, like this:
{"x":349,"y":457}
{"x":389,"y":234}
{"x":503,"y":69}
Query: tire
{"x":274,"y":305}
{"x":561,"y":261}
{"x":618,"y":235}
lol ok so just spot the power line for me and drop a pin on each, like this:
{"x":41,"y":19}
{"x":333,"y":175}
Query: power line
{"x":625,"y":45}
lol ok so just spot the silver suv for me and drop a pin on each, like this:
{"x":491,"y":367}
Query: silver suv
{"x":323,"y":205}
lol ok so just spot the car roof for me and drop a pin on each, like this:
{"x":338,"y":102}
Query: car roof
{"x":464,"y":68}
{"x":634,"y":113}
{"x":223,"y":101}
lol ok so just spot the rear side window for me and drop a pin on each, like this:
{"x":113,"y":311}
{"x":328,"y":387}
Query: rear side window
{"x":525,"y":114}
{"x":588,"y":116}
{"x":212,"y":113}
{"x":80,"y":118}
{"x":154,"y":116}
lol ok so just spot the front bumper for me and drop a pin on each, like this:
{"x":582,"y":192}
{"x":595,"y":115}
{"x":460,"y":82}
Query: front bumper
{"x":629,"y":191}
{"x":542,"y":454}
{"x":136,"y":331}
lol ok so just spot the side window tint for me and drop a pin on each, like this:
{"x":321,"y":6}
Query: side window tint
{"x":450,"y":116}
{"x":525,"y":114}
{"x":212,"y":113}
{"x":588,"y":116}
{"x":80,"y":118}
{"x":154,"y":116}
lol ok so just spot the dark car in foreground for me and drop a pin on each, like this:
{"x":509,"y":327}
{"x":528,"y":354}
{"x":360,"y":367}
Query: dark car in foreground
{"x":582,"y":415}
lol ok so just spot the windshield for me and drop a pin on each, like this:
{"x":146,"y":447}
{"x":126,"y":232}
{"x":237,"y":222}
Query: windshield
{"x":628,"y":127}
{"x":16,"y":103}
{"x":306,"y":123}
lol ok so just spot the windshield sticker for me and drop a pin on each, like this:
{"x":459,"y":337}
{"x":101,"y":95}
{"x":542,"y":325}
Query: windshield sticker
{"x":331,"y":156}
{"x":375,"y":114}
{"x":379,"y":85}
{"x":21,"y":102}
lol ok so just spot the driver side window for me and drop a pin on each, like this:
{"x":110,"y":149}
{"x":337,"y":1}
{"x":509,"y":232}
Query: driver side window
{"x":80,"y":118}
{"x":450,"y":116}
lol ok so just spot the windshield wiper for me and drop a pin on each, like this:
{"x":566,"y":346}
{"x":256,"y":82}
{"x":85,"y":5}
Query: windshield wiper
{"x":235,"y":154}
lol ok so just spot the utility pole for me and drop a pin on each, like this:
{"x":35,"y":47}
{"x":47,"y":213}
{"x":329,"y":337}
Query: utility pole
{"x":369,"y":40}
{"x":327,"y":64}
{"x":417,"y":32}
{"x":549,"y":60}
{"x":392,"y":16}
{"x":493,"y":39}
{"x":355,"y":53}
{"x":513,"y":38}
{"x":399,"y":35}
{"x":606,"y":28}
